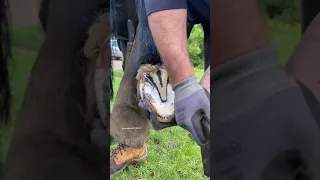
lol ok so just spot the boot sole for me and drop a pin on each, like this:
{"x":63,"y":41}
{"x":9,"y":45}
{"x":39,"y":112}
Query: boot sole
{"x":133,"y":161}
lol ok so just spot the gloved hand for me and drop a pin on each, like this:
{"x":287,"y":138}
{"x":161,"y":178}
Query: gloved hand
{"x":159,"y":125}
{"x":195,"y":117}
{"x":192,"y":109}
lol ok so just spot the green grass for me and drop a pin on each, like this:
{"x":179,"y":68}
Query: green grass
{"x":285,"y":38}
{"x":181,"y":162}
{"x":28,"y":38}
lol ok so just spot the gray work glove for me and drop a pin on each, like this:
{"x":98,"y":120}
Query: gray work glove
{"x":192,"y":109}
{"x":192,"y":105}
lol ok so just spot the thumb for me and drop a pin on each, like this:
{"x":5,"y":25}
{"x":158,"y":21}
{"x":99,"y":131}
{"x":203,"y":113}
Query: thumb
{"x":206,"y":127}
{"x":206,"y":105}
{"x":197,"y":127}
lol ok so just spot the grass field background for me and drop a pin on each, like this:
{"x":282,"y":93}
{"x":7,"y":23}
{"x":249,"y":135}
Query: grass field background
{"x":172,"y":152}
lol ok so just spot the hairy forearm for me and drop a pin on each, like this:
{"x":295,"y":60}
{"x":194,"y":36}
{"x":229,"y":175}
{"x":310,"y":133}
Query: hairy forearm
{"x":169,"y":31}
{"x":205,"y":80}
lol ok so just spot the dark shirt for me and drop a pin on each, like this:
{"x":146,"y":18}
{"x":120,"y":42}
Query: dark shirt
{"x":199,"y":7}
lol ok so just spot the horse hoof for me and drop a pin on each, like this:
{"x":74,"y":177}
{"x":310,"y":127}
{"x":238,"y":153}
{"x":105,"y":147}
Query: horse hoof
{"x":156,"y":92}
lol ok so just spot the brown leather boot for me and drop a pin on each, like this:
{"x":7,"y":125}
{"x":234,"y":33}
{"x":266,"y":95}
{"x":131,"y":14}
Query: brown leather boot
{"x":125,"y":155}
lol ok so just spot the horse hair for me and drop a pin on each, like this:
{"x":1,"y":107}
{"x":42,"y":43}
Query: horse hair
{"x":148,"y":50}
{"x":148,"y":53}
{"x":113,"y":19}
{"x":144,"y":50}
{"x":5,"y":55}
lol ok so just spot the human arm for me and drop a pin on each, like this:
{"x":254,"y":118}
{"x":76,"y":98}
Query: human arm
{"x":167,"y":22}
{"x":168,"y":27}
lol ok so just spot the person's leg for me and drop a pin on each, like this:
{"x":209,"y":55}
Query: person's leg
{"x":304,"y":63}
{"x":127,"y":126}
{"x":237,"y":28}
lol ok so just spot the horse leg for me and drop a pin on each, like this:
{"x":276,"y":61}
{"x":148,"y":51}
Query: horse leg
{"x":125,"y":113}
{"x":127,"y":125}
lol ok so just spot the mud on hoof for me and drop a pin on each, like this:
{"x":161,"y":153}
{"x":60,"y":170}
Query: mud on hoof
{"x":155,"y":91}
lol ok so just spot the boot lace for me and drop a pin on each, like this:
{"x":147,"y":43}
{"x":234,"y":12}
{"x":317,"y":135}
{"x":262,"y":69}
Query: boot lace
{"x":120,"y":147}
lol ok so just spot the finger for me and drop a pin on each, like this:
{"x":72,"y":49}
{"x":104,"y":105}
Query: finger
{"x":196,"y":121}
{"x":206,"y":127}
{"x":206,"y":111}
{"x":195,"y":136}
